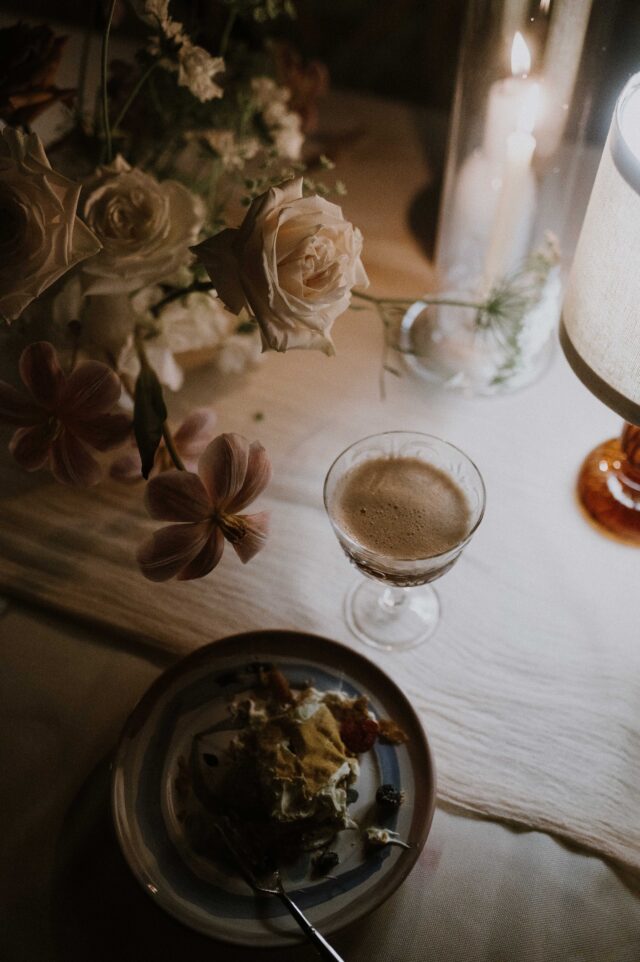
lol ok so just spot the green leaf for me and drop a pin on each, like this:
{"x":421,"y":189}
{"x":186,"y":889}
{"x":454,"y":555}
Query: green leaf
{"x":246,"y":327}
{"x":149,"y":415}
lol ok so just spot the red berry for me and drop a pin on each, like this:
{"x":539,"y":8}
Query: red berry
{"x":359,"y":734}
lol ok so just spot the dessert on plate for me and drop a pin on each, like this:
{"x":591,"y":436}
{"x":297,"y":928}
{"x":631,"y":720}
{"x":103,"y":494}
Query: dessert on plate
{"x":288,"y":774}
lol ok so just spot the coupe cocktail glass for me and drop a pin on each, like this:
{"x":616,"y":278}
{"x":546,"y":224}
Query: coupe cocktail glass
{"x":395,"y":607}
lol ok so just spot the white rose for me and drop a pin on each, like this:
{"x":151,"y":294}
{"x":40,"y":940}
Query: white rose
{"x":145,"y":227}
{"x":194,"y":322}
{"x":292,"y":264}
{"x":191,"y":323}
{"x":40,"y":236}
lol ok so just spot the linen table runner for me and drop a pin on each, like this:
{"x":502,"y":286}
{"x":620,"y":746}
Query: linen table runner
{"x":529,"y":691}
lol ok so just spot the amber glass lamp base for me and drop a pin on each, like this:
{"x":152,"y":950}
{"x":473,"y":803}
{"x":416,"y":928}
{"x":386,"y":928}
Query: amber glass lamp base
{"x":609,"y":486}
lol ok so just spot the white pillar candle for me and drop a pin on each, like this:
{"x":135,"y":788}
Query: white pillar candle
{"x":483,"y":177}
{"x":514,"y":206}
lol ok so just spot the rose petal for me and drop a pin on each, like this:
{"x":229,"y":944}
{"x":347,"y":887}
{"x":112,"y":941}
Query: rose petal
{"x":71,"y":463}
{"x":223,"y":468}
{"x":206,"y":560}
{"x":30,"y":446}
{"x":41,"y":373}
{"x":104,"y":432}
{"x":92,"y":389}
{"x":170,"y":549}
{"x":256,"y":528}
{"x":256,"y":479}
{"x":15,"y":408}
{"x":177,"y":496}
{"x":195,"y":432}
{"x":219,"y":258}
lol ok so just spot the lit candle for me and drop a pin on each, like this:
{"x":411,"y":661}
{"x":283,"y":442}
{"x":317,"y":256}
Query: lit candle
{"x":508,"y":100}
{"x":514,"y":206}
{"x":485,"y":235}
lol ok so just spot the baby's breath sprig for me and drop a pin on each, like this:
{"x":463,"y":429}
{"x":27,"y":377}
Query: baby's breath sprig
{"x":502,"y":312}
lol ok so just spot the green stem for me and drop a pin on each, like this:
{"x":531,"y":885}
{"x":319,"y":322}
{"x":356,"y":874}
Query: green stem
{"x":212,"y":188}
{"x":226,"y":33}
{"x":385,"y":345}
{"x":134,"y":93}
{"x":171,"y":447}
{"x":105,"y":97}
{"x":426,"y":298}
{"x":82,"y":74}
{"x":181,"y":292}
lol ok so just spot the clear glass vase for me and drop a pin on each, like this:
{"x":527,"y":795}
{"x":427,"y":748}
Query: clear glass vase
{"x":525,"y":139}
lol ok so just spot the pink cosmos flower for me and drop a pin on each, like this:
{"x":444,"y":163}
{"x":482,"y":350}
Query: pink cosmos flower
{"x":231,"y":474}
{"x":190,"y":440}
{"x":63,"y":416}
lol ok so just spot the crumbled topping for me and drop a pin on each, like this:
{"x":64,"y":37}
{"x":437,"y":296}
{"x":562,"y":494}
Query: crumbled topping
{"x":380,"y":837}
{"x":390,"y":733}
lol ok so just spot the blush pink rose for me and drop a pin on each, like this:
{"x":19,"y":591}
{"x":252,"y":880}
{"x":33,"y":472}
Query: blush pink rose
{"x":41,"y":238}
{"x":292,"y":264}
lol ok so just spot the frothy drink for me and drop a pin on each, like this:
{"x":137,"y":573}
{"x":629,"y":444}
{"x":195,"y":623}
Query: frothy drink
{"x":402,"y":507}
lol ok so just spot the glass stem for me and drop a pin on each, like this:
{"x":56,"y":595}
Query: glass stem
{"x":392,"y":598}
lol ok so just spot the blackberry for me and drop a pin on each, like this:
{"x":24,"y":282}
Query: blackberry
{"x":324,"y":862}
{"x":389,"y":798}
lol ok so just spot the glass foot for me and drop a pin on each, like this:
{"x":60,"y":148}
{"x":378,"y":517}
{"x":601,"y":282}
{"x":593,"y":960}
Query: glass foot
{"x":609,"y":490}
{"x":393,"y":619}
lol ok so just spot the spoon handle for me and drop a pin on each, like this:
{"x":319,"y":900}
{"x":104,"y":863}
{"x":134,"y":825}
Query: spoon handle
{"x":324,"y":950}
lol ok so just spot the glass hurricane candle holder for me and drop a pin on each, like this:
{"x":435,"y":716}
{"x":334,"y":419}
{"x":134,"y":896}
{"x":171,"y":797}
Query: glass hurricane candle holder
{"x":528,"y":123}
{"x":395,"y":607}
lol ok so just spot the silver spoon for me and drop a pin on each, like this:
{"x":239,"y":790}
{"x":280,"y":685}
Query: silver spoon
{"x":228,"y":835}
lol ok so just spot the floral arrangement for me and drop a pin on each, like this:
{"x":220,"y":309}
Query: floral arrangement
{"x":117,"y":255}
{"x":112,"y":269}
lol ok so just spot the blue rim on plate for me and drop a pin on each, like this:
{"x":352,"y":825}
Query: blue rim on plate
{"x":186,"y":699}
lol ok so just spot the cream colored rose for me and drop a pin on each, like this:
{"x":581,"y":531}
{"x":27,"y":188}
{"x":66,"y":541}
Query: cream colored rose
{"x":292,"y":263}
{"x":40,"y":236}
{"x":145,"y":227}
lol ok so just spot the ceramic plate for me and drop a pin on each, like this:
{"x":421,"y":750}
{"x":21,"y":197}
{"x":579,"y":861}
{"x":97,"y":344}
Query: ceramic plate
{"x":193,"y":696}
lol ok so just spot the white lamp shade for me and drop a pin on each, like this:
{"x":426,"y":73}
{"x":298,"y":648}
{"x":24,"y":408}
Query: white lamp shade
{"x":600,"y":329}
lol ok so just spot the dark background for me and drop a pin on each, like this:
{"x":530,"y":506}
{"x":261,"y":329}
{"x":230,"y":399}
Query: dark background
{"x":404,"y":49}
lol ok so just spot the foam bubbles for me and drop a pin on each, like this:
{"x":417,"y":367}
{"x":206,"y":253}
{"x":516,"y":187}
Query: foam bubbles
{"x":402,"y":507}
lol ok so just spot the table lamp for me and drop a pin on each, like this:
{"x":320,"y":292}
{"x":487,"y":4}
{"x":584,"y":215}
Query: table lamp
{"x":600,"y":327}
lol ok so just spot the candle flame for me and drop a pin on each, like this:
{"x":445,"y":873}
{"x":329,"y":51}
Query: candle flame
{"x":520,"y":56}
